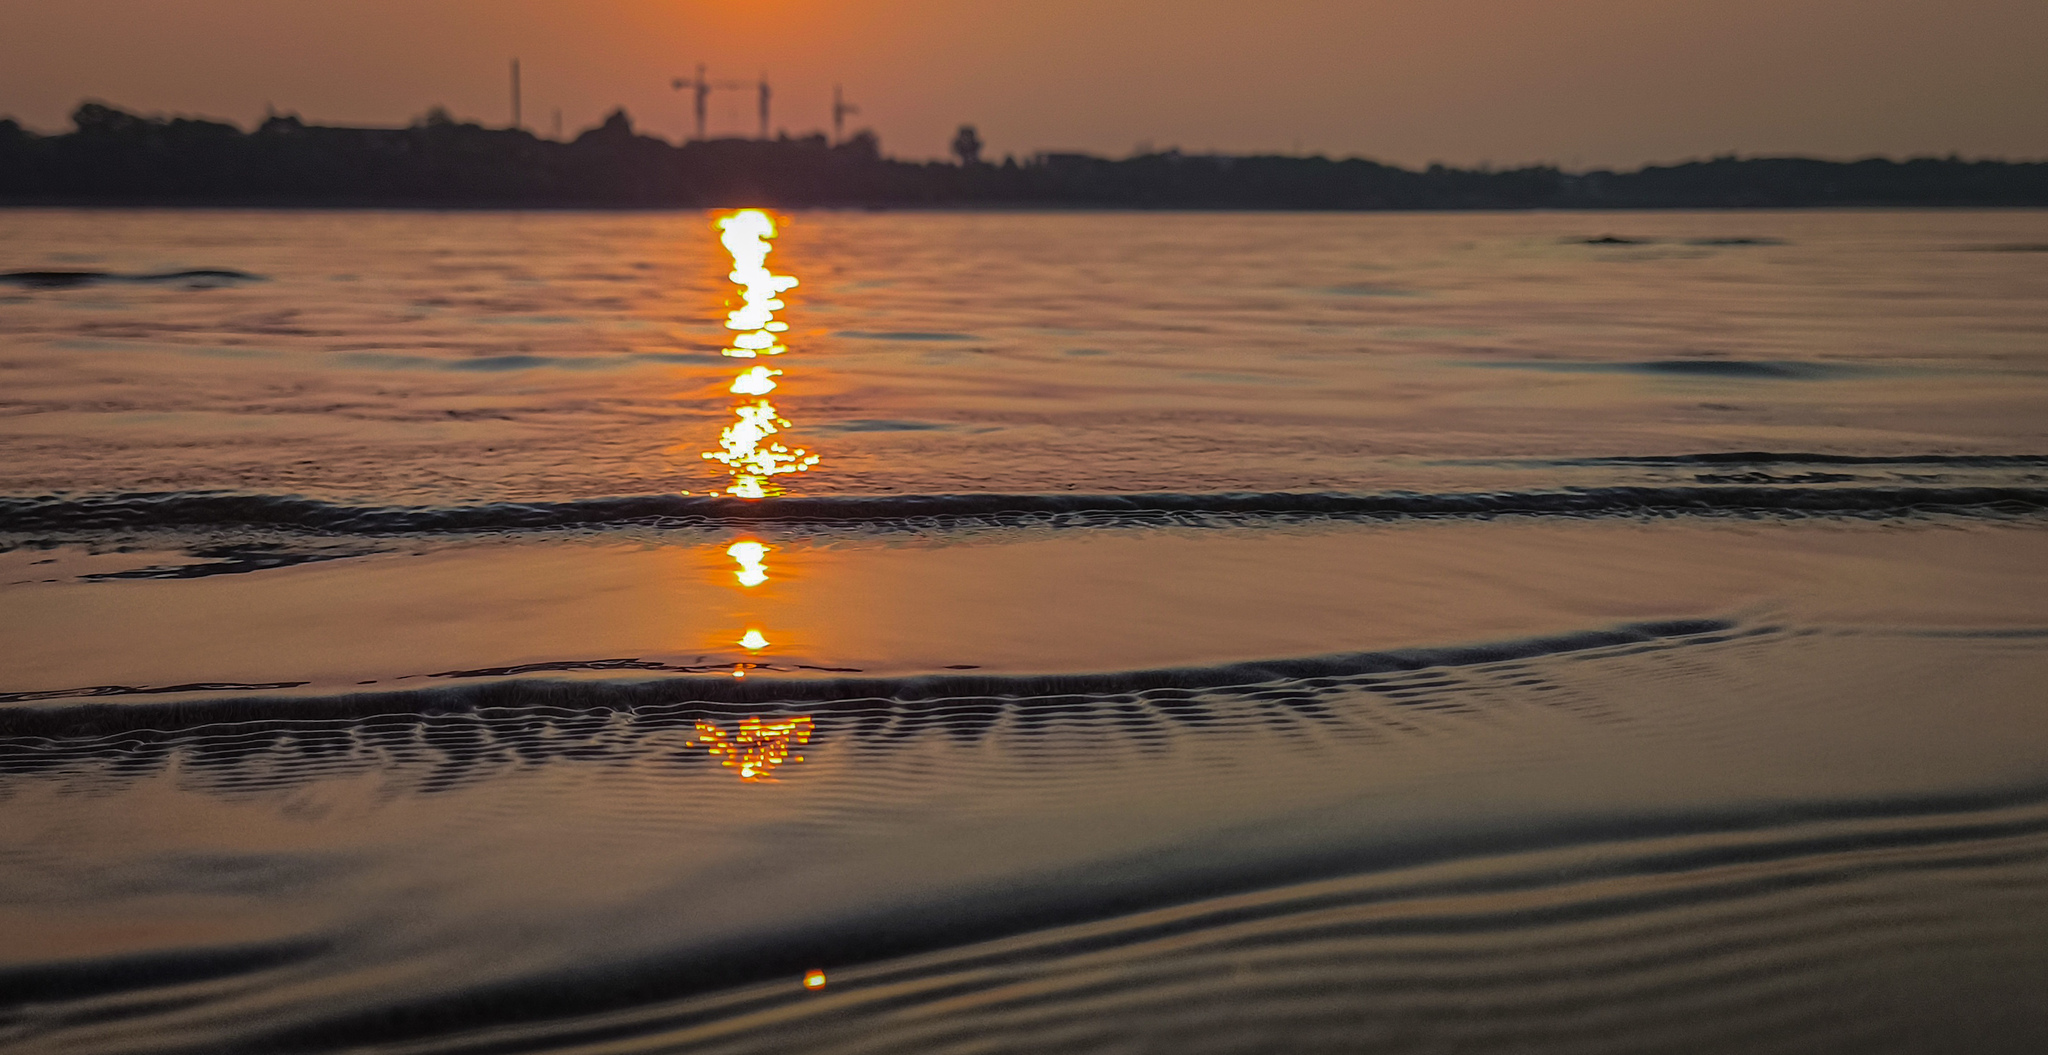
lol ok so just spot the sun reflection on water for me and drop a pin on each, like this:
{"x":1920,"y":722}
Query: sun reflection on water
{"x":758,"y":747}
{"x":753,"y":459}
{"x":751,"y":555}
{"x":756,"y":382}
{"x":745,"y":447}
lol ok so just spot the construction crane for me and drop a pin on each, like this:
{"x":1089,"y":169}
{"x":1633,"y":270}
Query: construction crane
{"x":840,"y":108}
{"x":703,"y":86}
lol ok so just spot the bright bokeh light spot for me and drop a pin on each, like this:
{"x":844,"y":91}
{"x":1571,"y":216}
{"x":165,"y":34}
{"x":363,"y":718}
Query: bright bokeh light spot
{"x":757,"y":748}
{"x":814,"y":980}
{"x":753,"y":639}
{"x":750,"y":554}
{"x":756,"y":382}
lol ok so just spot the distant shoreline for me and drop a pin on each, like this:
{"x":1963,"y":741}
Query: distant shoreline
{"x":185,"y":205}
{"x":119,"y":160}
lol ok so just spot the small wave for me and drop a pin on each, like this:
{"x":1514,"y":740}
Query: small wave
{"x":882,"y":425}
{"x":1609,"y":239}
{"x":1367,"y":289}
{"x":904,"y":335}
{"x":1767,"y":478}
{"x":92,"y":978}
{"x":1731,"y":369}
{"x":224,"y":560}
{"x":1979,"y":461}
{"x":97,"y":691}
{"x":187,"y":509}
{"x":1782,"y":370}
{"x":498,"y":364}
{"x":95,"y":719}
{"x":202,"y":278}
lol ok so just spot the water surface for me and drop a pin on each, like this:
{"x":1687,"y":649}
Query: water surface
{"x":1054,"y":632}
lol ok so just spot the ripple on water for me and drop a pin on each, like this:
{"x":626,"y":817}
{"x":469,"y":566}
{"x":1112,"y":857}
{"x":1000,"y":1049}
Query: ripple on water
{"x":1719,"y":841}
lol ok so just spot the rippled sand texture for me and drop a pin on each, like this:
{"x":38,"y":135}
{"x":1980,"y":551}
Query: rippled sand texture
{"x":1066,"y":633}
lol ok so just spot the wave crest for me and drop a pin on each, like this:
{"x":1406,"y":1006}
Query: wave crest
{"x":217,"y":510}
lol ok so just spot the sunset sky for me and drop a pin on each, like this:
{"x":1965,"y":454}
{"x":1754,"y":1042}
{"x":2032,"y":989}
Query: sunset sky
{"x":1574,"y":82}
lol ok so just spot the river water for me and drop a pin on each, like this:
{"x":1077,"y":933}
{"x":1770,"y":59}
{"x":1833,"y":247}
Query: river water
{"x":1065,"y":632}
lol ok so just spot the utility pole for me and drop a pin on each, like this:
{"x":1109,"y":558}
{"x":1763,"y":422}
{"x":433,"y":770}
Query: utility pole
{"x":515,"y":93}
{"x":765,"y":93}
{"x":840,"y":108}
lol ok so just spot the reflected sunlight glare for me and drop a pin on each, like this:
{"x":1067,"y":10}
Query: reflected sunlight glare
{"x":750,"y":554}
{"x":758,"y":747}
{"x":753,"y":639}
{"x":744,"y":447}
{"x":756,"y":382}
{"x":746,"y":237}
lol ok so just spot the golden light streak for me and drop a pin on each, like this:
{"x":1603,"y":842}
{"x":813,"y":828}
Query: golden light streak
{"x":756,"y":749}
{"x":746,"y":237}
{"x":745,"y":447}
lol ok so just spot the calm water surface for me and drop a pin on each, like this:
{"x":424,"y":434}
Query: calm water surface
{"x":1044,"y":633}
{"x":452,"y":359}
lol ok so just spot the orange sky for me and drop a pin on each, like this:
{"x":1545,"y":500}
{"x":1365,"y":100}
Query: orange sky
{"x":1576,"y":82}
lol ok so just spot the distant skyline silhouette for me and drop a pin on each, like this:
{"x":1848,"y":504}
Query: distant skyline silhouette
{"x":117,"y":158}
{"x":1578,"y":83}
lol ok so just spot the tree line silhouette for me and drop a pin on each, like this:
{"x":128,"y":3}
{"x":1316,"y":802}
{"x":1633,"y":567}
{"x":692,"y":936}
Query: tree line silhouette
{"x":115,"y":157}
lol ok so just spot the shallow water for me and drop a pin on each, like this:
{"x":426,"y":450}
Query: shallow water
{"x":1215,"y":633}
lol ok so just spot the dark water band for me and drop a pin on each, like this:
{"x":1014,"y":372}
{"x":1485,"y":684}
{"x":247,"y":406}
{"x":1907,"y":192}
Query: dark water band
{"x":63,"y":714}
{"x":219,"y":509}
